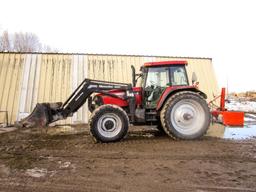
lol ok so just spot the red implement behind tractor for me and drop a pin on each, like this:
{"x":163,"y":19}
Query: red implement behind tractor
{"x":163,"y":98}
{"x":228,"y":118}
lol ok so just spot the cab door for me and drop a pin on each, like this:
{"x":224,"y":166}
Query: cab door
{"x":157,"y":80}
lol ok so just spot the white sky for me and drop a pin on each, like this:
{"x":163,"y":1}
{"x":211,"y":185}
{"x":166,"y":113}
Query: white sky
{"x":222,"y":29}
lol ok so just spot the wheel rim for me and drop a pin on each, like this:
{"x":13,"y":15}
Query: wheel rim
{"x":187,"y":117}
{"x":109,"y":125}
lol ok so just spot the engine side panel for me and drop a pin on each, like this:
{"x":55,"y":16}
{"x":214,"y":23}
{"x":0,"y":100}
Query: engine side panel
{"x":121,"y":101}
{"x":114,"y":101}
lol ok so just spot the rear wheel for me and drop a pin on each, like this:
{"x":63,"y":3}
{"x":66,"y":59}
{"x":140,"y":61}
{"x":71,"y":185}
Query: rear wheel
{"x":109,"y":123}
{"x":185,"y":115}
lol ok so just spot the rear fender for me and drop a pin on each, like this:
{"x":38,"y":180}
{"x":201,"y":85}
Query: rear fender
{"x":169,"y":91}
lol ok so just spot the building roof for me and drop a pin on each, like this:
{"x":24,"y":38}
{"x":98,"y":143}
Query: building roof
{"x":102,"y":54}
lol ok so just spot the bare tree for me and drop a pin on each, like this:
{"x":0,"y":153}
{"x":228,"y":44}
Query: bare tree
{"x":48,"y":49}
{"x":5,"y":44}
{"x":22,"y":42}
{"x":26,"y":42}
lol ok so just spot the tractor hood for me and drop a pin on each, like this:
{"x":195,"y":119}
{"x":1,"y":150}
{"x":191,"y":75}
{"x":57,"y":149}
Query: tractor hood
{"x":118,"y":97}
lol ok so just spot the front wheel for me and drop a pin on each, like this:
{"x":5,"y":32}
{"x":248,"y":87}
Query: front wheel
{"x":109,"y":123}
{"x":185,"y":115}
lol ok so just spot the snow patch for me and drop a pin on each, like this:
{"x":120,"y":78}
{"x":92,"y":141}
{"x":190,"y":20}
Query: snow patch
{"x":36,"y":172}
{"x":248,"y":106}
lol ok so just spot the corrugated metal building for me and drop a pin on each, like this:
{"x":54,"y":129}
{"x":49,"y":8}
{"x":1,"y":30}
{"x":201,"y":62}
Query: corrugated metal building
{"x":29,"y":78}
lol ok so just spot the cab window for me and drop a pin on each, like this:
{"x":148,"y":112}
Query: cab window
{"x":178,"y":76}
{"x":158,"y":77}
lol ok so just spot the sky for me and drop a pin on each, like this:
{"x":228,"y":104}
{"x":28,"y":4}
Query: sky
{"x":224,"y":30}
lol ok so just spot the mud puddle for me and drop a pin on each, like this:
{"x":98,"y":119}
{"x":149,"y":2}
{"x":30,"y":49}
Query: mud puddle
{"x":248,"y":131}
{"x":240,"y":133}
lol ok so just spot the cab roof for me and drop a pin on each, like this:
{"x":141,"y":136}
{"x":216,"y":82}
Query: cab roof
{"x":163,"y":63}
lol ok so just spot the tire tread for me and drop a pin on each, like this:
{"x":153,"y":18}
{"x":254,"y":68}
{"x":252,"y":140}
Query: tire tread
{"x":95,"y":114}
{"x":169,"y":103}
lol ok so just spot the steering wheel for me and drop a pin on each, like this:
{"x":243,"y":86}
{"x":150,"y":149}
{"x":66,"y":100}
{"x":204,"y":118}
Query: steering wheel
{"x":153,"y":85}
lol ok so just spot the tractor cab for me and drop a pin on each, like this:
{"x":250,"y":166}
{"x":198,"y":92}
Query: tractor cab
{"x":158,"y":76}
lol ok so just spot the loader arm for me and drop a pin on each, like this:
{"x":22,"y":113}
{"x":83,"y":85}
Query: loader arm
{"x":46,"y":113}
{"x":88,"y":87}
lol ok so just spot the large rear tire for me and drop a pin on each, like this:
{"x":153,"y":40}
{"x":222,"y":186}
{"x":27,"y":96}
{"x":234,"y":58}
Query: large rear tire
{"x":185,"y":115}
{"x":109,"y":123}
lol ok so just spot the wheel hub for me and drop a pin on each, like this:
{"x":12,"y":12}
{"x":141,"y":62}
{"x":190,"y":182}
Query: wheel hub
{"x":187,"y":116}
{"x":109,"y":124}
{"x":184,"y":115}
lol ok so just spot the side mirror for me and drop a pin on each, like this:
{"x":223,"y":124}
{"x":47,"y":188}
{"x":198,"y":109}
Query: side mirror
{"x":194,"y":78}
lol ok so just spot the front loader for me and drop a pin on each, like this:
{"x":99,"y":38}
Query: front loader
{"x":164,"y":98}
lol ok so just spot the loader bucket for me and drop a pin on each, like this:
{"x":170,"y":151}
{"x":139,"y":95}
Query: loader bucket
{"x":41,"y":116}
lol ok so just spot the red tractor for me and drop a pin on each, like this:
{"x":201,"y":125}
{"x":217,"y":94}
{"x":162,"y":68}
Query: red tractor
{"x":163,"y":98}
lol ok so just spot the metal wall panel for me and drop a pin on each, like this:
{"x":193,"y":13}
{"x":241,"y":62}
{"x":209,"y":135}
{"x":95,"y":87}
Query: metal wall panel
{"x":11,"y":67}
{"x":46,"y":78}
{"x":55,"y":79}
{"x":79,"y":73}
{"x":26,"y":79}
{"x":52,"y":78}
